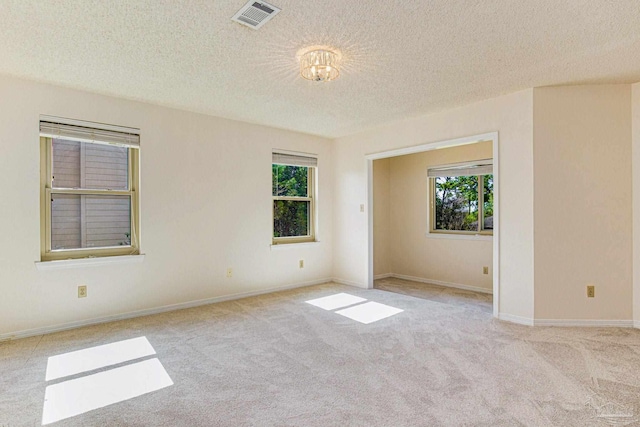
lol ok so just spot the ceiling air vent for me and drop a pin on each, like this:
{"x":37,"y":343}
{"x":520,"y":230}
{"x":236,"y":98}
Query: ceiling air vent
{"x":255,"y":14}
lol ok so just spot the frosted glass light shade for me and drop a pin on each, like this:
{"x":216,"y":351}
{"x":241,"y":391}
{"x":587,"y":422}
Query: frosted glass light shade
{"x":319,"y":65}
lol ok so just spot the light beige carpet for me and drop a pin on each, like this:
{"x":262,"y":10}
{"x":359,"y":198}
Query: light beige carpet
{"x":275,"y":360}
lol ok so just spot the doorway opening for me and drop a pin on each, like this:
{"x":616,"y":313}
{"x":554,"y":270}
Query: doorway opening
{"x":434,"y":226}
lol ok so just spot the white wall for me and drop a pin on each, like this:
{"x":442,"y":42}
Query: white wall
{"x":510,"y":115}
{"x":205,"y":206}
{"x":582,"y":199}
{"x":635,"y":126}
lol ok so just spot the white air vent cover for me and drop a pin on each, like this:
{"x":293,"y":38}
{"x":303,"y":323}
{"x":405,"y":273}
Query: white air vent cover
{"x":255,"y":14}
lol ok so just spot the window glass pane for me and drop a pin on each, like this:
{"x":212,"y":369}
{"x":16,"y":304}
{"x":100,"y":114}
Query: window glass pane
{"x":290,"y":218}
{"x":290,"y":181}
{"x":86,"y":165}
{"x":79,"y":221}
{"x":66,"y":164}
{"x":65,"y":221}
{"x":488,"y":203}
{"x":456,"y":206}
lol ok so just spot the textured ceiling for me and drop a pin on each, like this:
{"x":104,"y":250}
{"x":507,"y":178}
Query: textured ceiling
{"x":402,"y":58}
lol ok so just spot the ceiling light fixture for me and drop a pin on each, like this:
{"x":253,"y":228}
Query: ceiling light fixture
{"x":320,"y":65}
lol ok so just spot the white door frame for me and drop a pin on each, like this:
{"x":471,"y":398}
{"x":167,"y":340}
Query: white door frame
{"x":492,"y":136}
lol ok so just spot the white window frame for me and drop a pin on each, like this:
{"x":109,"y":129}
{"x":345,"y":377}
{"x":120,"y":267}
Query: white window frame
{"x":311,"y":198}
{"x":481,"y":231}
{"x":47,"y":190}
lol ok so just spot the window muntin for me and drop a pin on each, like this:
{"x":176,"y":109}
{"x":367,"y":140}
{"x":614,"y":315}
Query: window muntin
{"x":89,"y":196}
{"x":293,"y":186}
{"x":462,"y":199}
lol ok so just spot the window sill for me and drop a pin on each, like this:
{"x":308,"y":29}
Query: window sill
{"x":453,"y":236}
{"x":88,"y":262}
{"x":293,"y":245}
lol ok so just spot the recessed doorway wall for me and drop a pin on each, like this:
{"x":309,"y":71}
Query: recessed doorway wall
{"x":400,"y":243}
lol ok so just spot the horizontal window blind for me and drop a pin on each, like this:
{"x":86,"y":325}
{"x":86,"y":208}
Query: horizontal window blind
{"x":87,"y":134}
{"x":466,"y":170}
{"x":294,"y":160}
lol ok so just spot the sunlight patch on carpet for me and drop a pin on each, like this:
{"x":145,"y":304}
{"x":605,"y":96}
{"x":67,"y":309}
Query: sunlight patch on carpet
{"x":369,"y":312}
{"x":75,"y":397}
{"x":88,"y":359}
{"x":333,"y":302}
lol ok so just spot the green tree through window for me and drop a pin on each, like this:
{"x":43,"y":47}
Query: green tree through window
{"x":458,"y":205}
{"x":292,"y":201}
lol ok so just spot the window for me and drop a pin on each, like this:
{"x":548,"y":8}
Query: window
{"x":462,"y":198}
{"x":89,"y":191}
{"x":293,"y":191}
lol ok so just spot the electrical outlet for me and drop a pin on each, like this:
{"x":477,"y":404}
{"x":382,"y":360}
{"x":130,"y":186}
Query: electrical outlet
{"x":485,"y":270}
{"x":591,"y":291}
{"x":82,"y":291}
{"x":361,"y":208}
{"x":229,"y":272}
{"x":301,"y":263}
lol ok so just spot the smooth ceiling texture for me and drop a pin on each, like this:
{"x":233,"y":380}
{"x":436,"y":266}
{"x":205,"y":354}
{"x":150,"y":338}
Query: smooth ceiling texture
{"x":402,"y":58}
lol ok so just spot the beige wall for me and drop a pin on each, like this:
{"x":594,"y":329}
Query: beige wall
{"x":582,"y":200}
{"x":216,"y":173}
{"x":381,"y":213}
{"x":401,"y":242}
{"x":205,"y":205}
{"x":440,"y":258}
{"x":511,"y":116}
{"x":635,"y":127}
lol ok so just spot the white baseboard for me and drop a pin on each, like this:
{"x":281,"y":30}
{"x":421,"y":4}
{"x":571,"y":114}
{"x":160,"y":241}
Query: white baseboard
{"x":603,"y":323}
{"x":516,"y":319}
{"x":146,"y":312}
{"x":349,"y":283}
{"x":441,"y":283}
{"x":636,"y":324}
{"x":382,"y":276}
